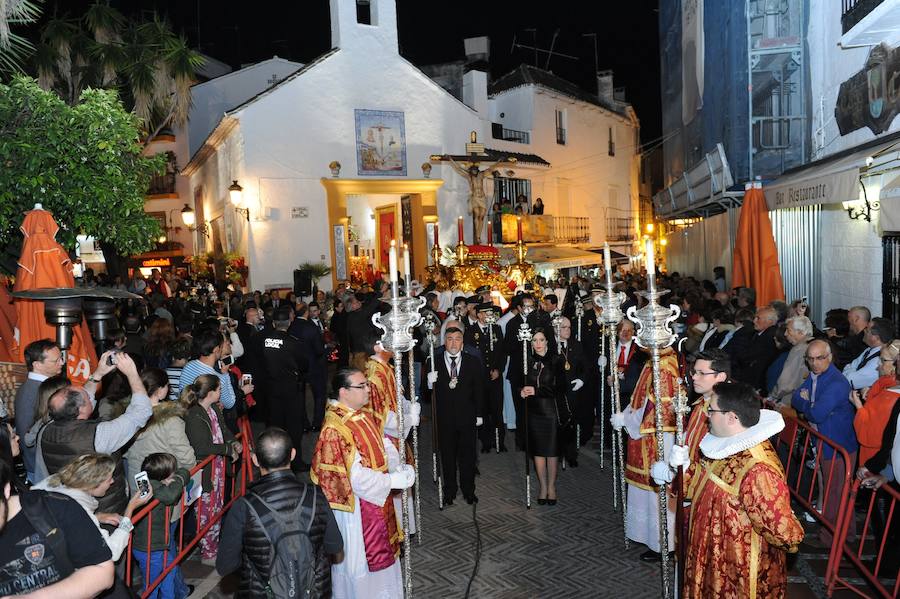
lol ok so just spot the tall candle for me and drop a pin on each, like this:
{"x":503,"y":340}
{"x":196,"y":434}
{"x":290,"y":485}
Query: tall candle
{"x":607,"y":263}
{"x":407,"y":271}
{"x":459,"y":229}
{"x":651,"y":266}
{"x":519,"y":228}
{"x":392,"y":262}
{"x":436,"y":228}
{"x":490,"y":233}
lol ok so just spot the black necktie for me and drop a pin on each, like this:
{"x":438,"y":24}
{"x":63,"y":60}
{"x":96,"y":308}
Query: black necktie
{"x":453,"y":372}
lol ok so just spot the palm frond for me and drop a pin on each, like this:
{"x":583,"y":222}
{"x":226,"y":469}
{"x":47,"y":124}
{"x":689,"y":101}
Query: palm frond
{"x":104,"y":22}
{"x":15,"y":12}
{"x":13,"y":56}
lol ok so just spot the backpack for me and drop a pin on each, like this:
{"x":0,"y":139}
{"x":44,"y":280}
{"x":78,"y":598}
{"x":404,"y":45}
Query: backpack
{"x":37,"y":511}
{"x":292,"y":557}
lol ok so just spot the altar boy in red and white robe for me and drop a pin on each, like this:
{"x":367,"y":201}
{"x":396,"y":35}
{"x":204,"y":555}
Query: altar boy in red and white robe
{"x":741,"y":526}
{"x":357,"y":467}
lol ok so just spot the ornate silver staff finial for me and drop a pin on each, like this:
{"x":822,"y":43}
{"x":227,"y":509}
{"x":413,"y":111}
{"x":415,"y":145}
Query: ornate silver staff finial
{"x":579,"y":313}
{"x":654,"y":332}
{"x":491,"y":320}
{"x":524,"y":335}
{"x":397,"y":337}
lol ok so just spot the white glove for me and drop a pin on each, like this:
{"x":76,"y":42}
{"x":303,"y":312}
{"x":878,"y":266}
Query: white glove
{"x":415,"y":411}
{"x":403,"y":477}
{"x":601,"y":362}
{"x":479,"y":421}
{"x":679,"y":456}
{"x":617,"y":421}
{"x":432,"y":378}
{"x":577,"y":384}
{"x":661,"y":473}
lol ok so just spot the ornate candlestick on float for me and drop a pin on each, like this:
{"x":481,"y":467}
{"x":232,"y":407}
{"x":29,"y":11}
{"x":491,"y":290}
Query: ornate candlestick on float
{"x":397,"y":325}
{"x":654,"y":332}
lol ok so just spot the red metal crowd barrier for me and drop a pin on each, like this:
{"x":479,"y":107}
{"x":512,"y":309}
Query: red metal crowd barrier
{"x":875,"y":557}
{"x":798,"y":445}
{"x":238,"y":487}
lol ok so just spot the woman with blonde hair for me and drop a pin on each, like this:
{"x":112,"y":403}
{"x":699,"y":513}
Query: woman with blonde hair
{"x":85,"y":479}
{"x":206,"y":430}
{"x":164,"y":432}
{"x":874,"y":409}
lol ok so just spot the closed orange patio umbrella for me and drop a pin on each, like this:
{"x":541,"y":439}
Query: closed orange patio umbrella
{"x":755,"y":253}
{"x":44,"y":263}
{"x":8,"y":345}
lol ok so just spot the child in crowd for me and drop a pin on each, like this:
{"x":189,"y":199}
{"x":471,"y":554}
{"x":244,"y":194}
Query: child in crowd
{"x":168,"y":483}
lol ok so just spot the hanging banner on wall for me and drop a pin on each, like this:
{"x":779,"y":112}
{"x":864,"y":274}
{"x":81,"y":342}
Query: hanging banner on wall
{"x":692,"y":56}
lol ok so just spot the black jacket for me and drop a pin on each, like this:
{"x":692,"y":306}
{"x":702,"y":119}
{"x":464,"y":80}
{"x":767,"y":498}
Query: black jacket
{"x":457,"y":408}
{"x":755,"y":360}
{"x":243,"y":542}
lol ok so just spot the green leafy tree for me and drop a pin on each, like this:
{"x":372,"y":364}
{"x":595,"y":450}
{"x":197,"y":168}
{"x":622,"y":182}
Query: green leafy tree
{"x":81,"y":162}
{"x":152,"y":68}
{"x":14,"y":48}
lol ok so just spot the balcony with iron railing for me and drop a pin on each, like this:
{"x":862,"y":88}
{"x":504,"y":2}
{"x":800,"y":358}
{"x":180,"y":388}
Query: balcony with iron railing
{"x":621,"y":228}
{"x":544,"y":228}
{"x":854,"y":11}
{"x":162,"y":185}
{"x":498,"y":131}
{"x":571,"y":229}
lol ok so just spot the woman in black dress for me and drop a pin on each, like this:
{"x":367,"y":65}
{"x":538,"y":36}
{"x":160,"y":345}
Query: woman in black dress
{"x":545,"y":393}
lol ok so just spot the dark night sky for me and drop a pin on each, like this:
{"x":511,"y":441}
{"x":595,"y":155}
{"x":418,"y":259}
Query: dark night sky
{"x":432,"y":32}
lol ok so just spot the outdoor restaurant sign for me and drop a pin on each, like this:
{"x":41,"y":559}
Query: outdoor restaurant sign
{"x":156,"y":262}
{"x":832,"y":183}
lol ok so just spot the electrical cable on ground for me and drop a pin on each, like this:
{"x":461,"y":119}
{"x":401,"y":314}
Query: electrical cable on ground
{"x":477,"y":550}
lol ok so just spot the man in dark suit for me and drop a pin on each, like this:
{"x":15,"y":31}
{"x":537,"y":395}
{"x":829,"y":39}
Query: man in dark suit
{"x":458,"y":388}
{"x":312,"y":343}
{"x":515,"y":371}
{"x":580,"y":402}
{"x":627,"y":365}
{"x":488,"y":338}
{"x":761,"y":352}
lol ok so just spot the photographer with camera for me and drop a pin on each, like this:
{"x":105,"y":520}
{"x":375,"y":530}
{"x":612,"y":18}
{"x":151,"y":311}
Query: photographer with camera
{"x":70,"y":432}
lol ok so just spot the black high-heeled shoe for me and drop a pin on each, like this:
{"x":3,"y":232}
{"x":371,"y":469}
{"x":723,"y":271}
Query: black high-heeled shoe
{"x":542,"y":501}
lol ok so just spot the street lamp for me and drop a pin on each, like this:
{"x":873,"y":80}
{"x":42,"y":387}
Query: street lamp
{"x":236,"y":194}
{"x":189,"y":218}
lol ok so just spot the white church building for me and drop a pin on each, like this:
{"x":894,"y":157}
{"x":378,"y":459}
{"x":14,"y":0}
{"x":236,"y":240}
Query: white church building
{"x":332,"y":157}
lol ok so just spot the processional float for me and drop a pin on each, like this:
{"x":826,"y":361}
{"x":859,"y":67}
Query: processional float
{"x":397,"y":325}
{"x":654,"y":332}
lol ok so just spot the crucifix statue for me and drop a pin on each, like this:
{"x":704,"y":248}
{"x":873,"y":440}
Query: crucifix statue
{"x":467,"y":166}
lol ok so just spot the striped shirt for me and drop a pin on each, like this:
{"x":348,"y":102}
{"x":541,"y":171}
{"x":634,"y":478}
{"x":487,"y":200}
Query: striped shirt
{"x":174,"y":374}
{"x":195,"y":368}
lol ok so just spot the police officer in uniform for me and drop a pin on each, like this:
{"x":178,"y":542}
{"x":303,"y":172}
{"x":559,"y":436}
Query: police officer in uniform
{"x":493,"y":358}
{"x":285,"y":365}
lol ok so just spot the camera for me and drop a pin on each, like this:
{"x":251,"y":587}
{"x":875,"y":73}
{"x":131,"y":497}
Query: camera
{"x":111,"y":358}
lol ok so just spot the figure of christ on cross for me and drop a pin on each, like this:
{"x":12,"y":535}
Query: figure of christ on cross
{"x":467,"y":166}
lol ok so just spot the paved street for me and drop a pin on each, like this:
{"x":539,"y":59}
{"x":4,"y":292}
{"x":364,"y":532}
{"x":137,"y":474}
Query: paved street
{"x":571,"y":550}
